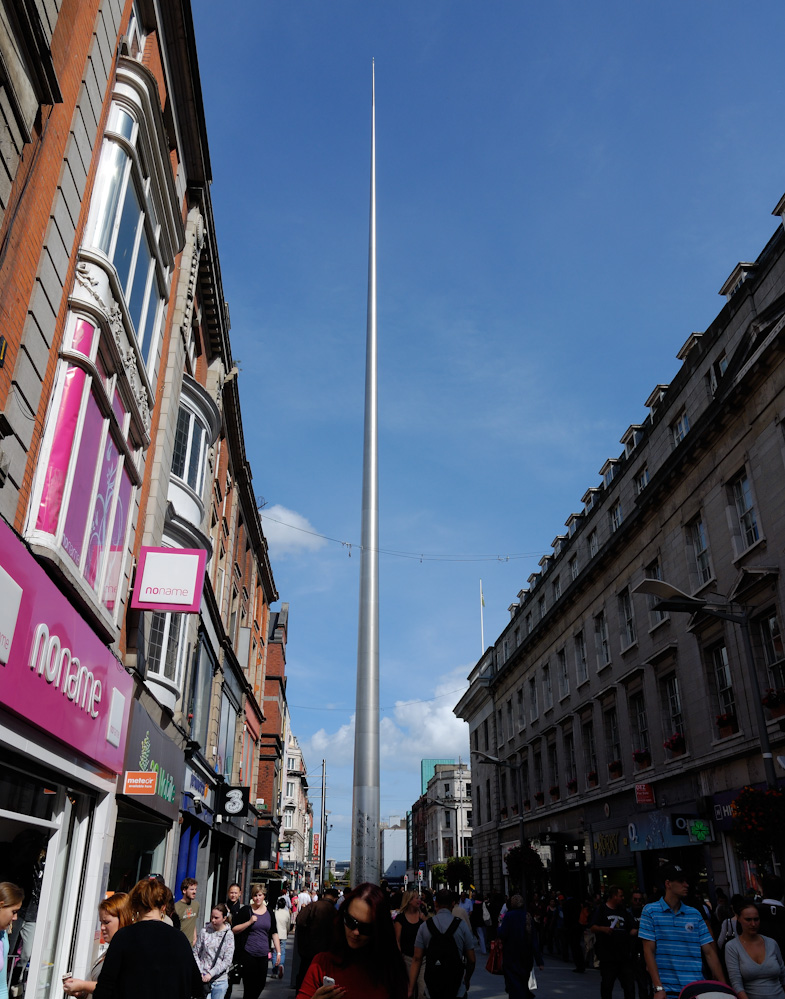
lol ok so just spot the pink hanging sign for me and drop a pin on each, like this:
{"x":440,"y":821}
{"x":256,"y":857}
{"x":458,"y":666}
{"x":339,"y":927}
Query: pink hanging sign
{"x":170,"y":579}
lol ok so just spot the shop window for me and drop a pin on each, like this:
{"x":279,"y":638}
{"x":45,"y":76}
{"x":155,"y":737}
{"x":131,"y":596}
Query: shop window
{"x":86,"y":477}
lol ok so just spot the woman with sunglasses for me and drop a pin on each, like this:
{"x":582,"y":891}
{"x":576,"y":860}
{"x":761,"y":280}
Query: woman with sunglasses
{"x":364,"y":961}
{"x":754,"y":962}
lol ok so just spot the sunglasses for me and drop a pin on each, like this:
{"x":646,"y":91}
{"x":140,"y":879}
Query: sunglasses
{"x":365,"y":929}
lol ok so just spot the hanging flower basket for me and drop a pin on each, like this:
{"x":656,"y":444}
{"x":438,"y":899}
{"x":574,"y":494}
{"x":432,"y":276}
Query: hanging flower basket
{"x":592,"y":778}
{"x":527,"y":804}
{"x":539,"y":797}
{"x":555,"y":791}
{"x":615,"y":768}
{"x":641,"y":758}
{"x":572,"y":785}
{"x":675,"y":744}
{"x":758,"y":820}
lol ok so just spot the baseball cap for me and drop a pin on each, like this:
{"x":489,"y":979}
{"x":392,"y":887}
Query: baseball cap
{"x":672,"y":872}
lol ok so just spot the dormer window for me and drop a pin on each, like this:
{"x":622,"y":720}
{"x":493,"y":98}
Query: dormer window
{"x":572,"y":523}
{"x":737,"y":277}
{"x":654,"y":400}
{"x":632,"y":438}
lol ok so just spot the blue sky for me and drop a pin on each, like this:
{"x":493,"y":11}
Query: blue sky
{"x":562,"y":189}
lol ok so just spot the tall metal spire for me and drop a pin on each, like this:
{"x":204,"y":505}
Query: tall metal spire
{"x":365,"y":807}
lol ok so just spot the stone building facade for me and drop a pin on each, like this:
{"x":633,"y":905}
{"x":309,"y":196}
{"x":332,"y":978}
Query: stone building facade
{"x":618,"y":731}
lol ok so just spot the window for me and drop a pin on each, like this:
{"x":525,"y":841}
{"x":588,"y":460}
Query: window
{"x":674,"y":719}
{"x":773,"y":651}
{"x":639,"y":724}
{"x":200,"y":693}
{"x":468,"y":791}
{"x":510,"y":726}
{"x":654,"y":571}
{"x":190,"y":450}
{"x":528,"y":624}
{"x":485,"y":734}
{"x":556,"y":588}
{"x":124,"y":225}
{"x":612,"y":738}
{"x":589,"y":751}
{"x":569,"y":756}
{"x":553,"y":764}
{"x":615,"y":517}
{"x":500,"y":726}
{"x":290,"y":789}
{"x":503,"y":789}
{"x":85,"y":480}
{"x":468,"y":823}
{"x":538,"y":782}
{"x":521,"y":710}
{"x":542,"y":607}
{"x":488,"y":800}
{"x":745,"y":510}
{"x":642,"y":479}
{"x":446,"y":790}
{"x":626,"y":619}
{"x":288,"y":819}
{"x":601,"y":643}
{"x":696,"y":535}
{"x":476,"y":738}
{"x":534,"y":711}
{"x":723,"y":685}
{"x":581,"y":662}
{"x":447,"y":818}
{"x":594,"y":545}
{"x":517,"y":637}
{"x":574,"y":567}
{"x":227,"y":728}
{"x":564,"y":676}
{"x":547,"y":688}
{"x":166,"y":646}
{"x":680,"y":427}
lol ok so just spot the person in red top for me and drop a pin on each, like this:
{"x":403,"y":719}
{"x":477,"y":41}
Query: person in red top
{"x":364,"y":961}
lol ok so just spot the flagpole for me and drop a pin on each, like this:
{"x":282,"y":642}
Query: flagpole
{"x":482,"y":622}
{"x":365,"y":805}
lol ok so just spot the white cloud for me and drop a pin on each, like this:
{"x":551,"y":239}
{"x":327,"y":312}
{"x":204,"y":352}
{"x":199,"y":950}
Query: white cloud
{"x":288,"y":532}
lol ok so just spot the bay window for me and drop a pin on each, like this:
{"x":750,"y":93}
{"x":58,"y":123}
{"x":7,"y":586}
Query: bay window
{"x":85,"y":481}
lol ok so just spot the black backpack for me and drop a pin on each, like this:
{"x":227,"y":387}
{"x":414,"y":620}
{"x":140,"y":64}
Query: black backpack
{"x":443,"y":960}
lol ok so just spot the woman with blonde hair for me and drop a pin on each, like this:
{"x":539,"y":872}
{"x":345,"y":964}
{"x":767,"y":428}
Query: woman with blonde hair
{"x":147,"y":957}
{"x":113,"y":913}
{"x":11,"y":898}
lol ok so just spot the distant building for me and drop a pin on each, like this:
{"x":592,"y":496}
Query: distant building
{"x":427,"y":770}
{"x":393,"y":848}
{"x":440,"y":823}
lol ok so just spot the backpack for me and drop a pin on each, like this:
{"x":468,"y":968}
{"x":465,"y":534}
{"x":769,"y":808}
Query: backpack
{"x":443,"y":960}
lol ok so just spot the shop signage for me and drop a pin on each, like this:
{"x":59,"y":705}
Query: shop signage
{"x":170,"y":579}
{"x":606,"y":844}
{"x":644,"y":794}
{"x":153,"y":760}
{"x":56,"y":672}
{"x":232,"y":801}
{"x":285,"y":847}
{"x":655,"y":830}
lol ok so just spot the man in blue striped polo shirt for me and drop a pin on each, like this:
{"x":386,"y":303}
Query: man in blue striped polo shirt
{"x":675,"y":939}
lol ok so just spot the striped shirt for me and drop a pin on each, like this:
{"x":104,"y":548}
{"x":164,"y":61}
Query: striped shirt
{"x":678,"y":938}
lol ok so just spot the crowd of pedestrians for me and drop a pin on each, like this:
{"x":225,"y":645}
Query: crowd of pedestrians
{"x":372,"y":943}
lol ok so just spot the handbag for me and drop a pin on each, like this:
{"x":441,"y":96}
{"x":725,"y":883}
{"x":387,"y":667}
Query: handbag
{"x":486,"y":915}
{"x":207,"y":987}
{"x":494,"y":962}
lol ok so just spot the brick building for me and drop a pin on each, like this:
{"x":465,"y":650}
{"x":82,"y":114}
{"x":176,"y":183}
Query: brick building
{"x":130,"y":734}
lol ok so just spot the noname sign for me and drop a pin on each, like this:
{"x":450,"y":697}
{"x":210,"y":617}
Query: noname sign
{"x":170,"y":579}
{"x":55,"y":672}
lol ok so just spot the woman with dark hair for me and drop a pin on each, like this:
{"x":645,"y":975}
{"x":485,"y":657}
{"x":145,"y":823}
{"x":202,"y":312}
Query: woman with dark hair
{"x":148,"y":957}
{"x":364,"y":961}
{"x":11,"y":898}
{"x":214,"y":950}
{"x":113,"y":914}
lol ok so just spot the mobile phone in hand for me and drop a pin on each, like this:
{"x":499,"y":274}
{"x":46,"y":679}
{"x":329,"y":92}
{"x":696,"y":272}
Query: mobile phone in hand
{"x":329,"y":982}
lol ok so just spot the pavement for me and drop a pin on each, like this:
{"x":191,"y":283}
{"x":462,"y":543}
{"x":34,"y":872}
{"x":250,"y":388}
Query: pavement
{"x":556,"y":981}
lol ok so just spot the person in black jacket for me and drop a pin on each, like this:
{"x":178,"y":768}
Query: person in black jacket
{"x":149,"y":958}
{"x":614,"y":928}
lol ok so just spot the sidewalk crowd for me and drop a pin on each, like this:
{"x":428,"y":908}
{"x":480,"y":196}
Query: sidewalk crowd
{"x":373,"y":943}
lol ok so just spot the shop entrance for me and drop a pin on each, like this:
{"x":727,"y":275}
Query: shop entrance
{"x":45,"y":828}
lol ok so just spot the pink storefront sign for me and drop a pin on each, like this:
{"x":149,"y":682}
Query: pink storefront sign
{"x":170,"y":579}
{"x":55,"y":672}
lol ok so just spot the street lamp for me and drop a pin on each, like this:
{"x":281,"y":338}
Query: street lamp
{"x":671,"y":598}
{"x":518,"y":769}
